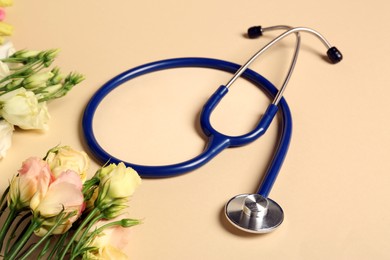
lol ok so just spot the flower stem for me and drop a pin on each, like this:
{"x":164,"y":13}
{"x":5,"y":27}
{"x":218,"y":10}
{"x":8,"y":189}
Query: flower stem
{"x":80,"y":244}
{"x":89,"y":217}
{"x":3,"y":207}
{"x":58,"y":244}
{"x":44,"y":249}
{"x":8,"y":222}
{"x":21,"y":242}
{"x":4,"y":195}
{"x":16,"y":226}
{"x":59,"y":222}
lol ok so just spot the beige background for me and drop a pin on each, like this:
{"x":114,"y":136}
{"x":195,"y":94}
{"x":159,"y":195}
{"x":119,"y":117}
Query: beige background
{"x":334,"y":186}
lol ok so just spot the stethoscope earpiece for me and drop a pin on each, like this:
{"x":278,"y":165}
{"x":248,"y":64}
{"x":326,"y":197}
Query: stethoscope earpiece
{"x":255,"y":32}
{"x":334,"y":55}
{"x":254,"y":213}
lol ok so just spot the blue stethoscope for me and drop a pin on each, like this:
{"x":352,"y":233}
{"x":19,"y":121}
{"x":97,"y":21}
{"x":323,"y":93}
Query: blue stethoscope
{"x":255,"y":213}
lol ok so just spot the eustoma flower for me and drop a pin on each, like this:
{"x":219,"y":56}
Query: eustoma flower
{"x":117,"y":184}
{"x":109,"y":239}
{"x":20,"y":107}
{"x":32,"y":179}
{"x":63,"y":195}
{"x":6,"y":130}
{"x":65,"y":158}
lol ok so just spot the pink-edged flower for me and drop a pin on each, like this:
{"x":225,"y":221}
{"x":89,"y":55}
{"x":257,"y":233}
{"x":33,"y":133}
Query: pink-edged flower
{"x":110,"y":243}
{"x":32,"y":180}
{"x":63,"y":196}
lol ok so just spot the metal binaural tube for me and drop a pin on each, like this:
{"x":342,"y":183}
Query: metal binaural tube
{"x":290,"y":30}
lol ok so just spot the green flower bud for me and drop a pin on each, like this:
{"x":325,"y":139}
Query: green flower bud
{"x":57,"y":76}
{"x":127,"y":222}
{"x":114,"y":211}
{"x":24,"y":54}
{"x":37,"y":80}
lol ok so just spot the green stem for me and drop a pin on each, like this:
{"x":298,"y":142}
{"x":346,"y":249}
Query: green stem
{"x":89,"y":217}
{"x":8,"y":222}
{"x":44,"y":249}
{"x":58,"y":244}
{"x":77,"y":247}
{"x":20,"y":243}
{"x":2,"y":200}
{"x":21,"y":234}
{"x":13,"y":232}
{"x":51,"y":230}
{"x":3,"y":208}
{"x":4,"y":195}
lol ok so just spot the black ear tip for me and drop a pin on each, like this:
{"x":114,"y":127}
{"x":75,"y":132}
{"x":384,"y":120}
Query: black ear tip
{"x":334,"y":55}
{"x":255,"y":32}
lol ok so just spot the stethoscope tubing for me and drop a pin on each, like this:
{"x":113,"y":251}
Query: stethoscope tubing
{"x":180,"y":168}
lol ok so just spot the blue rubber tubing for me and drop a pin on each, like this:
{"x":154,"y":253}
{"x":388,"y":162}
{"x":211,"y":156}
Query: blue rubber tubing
{"x":285,"y":128}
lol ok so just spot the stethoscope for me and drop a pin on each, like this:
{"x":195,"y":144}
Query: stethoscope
{"x":255,"y":213}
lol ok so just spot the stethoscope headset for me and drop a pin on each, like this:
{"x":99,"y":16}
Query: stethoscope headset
{"x":255,"y":213}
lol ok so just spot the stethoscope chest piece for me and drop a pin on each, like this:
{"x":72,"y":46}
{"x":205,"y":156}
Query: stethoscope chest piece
{"x":254,"y":213}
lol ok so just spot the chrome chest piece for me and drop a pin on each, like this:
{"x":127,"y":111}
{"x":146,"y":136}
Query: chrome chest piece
{"x":254,"y":213}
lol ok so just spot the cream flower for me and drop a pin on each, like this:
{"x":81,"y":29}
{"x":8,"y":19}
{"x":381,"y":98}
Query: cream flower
{"x":117,"y":182}
{"x":6,"y":131}
{"x":65,"y":158}
{"x":21,"y":108}
{"x":4,"y":70}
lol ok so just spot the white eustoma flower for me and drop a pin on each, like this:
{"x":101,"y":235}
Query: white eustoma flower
{"x":4,"y":70}
{"x":6,"y":49}
{"x":6,"y":130}
{"x":21,"y":108}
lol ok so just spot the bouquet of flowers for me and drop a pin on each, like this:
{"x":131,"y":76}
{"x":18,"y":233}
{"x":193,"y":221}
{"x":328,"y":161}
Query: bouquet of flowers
{"x":26,"y":84}
{"x":50,"y":210}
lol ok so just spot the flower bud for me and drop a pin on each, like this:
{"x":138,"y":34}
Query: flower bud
{"x":37,"y":80}
{"x":48,"y":56}
{"x":114,"y":211}
{"x":23,"y":54}
{"x":57,"y":78}
{"x":127,"y":222}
